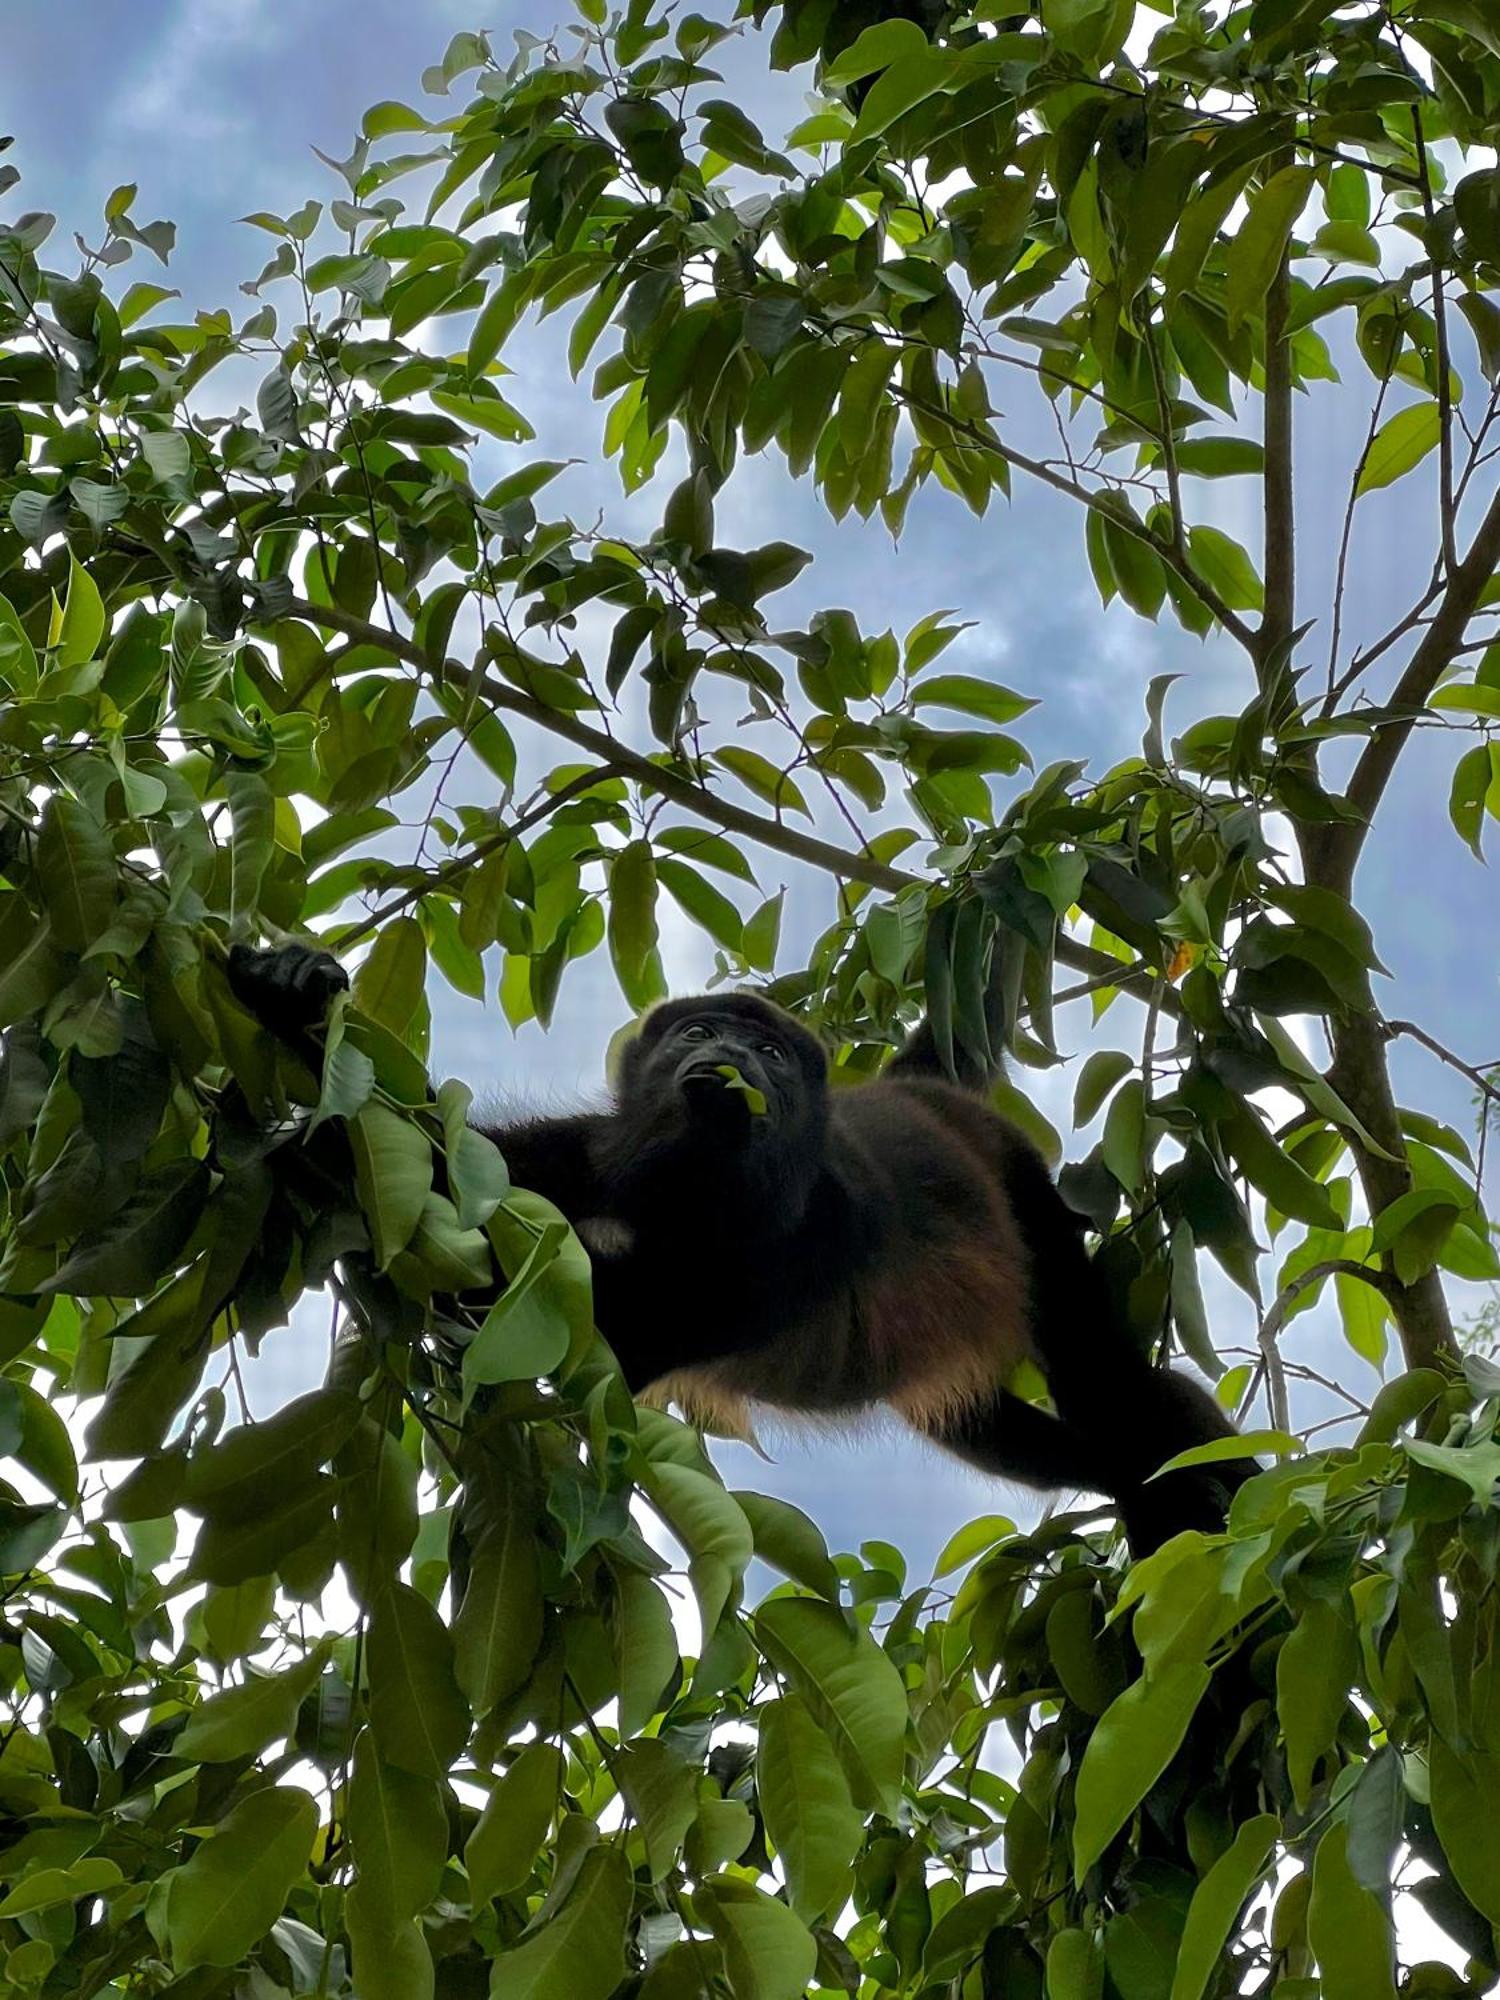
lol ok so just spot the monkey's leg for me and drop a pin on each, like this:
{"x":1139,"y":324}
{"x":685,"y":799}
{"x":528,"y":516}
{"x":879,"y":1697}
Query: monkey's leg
{"x":1016,"y":1440}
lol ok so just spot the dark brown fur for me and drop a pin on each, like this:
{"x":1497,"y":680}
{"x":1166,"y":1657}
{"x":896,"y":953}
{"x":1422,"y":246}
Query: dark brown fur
{"x":897,"y":1243}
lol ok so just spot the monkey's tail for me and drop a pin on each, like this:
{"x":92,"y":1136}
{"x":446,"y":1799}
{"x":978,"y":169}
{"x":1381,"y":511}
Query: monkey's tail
{"x":1133,"y":1415}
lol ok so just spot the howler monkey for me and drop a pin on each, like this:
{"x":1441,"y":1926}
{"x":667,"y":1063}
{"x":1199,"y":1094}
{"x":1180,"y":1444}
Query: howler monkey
{"x":758,"y":1239}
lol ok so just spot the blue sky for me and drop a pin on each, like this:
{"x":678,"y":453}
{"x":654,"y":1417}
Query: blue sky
{"x":212,"y":107}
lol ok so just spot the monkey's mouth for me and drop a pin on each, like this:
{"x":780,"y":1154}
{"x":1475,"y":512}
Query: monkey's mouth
{"x":716,"y":1093}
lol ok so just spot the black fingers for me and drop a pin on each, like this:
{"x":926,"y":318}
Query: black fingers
{"x":287,"y":988}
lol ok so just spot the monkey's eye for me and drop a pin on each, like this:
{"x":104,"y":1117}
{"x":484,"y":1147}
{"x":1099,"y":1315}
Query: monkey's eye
{"x":697,"y":1031}
{"x":774,"y":1050}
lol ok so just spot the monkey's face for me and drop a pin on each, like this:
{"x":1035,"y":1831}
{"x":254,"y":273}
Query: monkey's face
{"x":732,"y":1067}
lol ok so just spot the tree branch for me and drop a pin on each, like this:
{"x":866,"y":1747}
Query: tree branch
{"x":695,"y":797}
{"x":1097,"y":967}
{"x":1334,"y":852}
{"x":1038,"y":468}
{"x":459,"y":865}
{"x":1281,"y":1306}
{"x":1487,"y":1085}
{"x":1279,"y":618}
{"x":1446,"y":503}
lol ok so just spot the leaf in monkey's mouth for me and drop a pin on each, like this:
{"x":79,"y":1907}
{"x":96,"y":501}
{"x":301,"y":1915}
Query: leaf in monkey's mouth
{"x":721,"y":1089}
{"x":755,"y":1100}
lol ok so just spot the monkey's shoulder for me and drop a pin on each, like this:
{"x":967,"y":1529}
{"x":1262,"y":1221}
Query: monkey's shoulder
{"x":905,"y":1110}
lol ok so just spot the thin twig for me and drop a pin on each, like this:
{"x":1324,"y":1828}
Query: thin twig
{"x":460,"y":865}
{"x":1440,"y":325}
{"x":1276,"y":1317}
{"x":1477,"y":1075}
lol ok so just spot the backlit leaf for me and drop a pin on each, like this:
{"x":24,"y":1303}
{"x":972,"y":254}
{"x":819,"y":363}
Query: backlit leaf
{"x":1132,"y":1744}
{"x":227,"y":1896}
{"x":809,"y":1814}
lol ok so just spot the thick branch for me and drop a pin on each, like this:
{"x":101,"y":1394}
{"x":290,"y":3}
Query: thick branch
{"x":1333,"y":852}
{"x":1360,"y":1073}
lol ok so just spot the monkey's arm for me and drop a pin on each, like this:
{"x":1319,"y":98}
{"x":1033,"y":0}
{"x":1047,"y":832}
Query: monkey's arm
{"x":555,"y":1158}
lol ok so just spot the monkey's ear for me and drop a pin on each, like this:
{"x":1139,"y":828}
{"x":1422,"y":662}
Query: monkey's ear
{"x":288,"y":988}
{"x":618,"y":1054}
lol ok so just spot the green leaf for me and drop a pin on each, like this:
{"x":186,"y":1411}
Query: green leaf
{"x":1275,"y":1173}
{"x":129,"y":1255}
{"x":478,"y":1178}
{"x":259,"y":1465}
{"x":1464,"y":1787}
{"x":1483,"y":316}
{"x":705,"y":904}
{"x":1124,"y":1142}
{"x":419,"y":1717}
{"x":1256,"y":251}
{"x":787,"y":1539}
{"x":1476,"y":1466}
{"x":1315,"y":1670}
{"x":1349,"y":1931}
{"x":241,"y":1721}
{"x":222,"y":1902}
{"x":253,"y":815}
{"x":813,"y":1822}
{"x":1220,"y":457}
{"x":232,"y":1550}
{"x":768,"y":1954}
{"x":1096,"y":1080}
{"x":1222,"y":1451}
{"x":1132,"y":1743}
{"x":32,"y":967}
{"x":399,"y":1832}
{"x":852,"y":1688}
{"x":389,"y":985}
{"x":971,"y":696}
{"x":348,"y":1082}
{"x":710,"y":1526}
{"x":1075,"y":1967}
{"x":761,"y":932}
{"x":45,"y":1888}
{"x":18,"y":666}
{"x":498,"y":1625}
{"x":645,"y":1649}
{"x":517,"y":1817}
{"x":76,"y":868}
{"x":904,"y":86}
{"x":579,"y":1949}
{"x":1225,"y":566}
{"x":391,"y":1960}
{"x":83,"y":619}
{"x":972,"y":1540}
{"x":44,"y":1447}
{"x":393,"y":1171}
{"x":662,"y":1796}
{"x":526,"y":1331}
{"x":763,"y":778}
{"x":632,"y":910}
{"x":491,"y":414}
{"x":1402,"y":441}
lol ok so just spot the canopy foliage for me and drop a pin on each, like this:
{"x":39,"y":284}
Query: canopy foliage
{"x":389,"y":1694}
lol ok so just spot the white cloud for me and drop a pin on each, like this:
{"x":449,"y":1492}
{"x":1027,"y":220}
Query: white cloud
{"x":185,"y":84}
